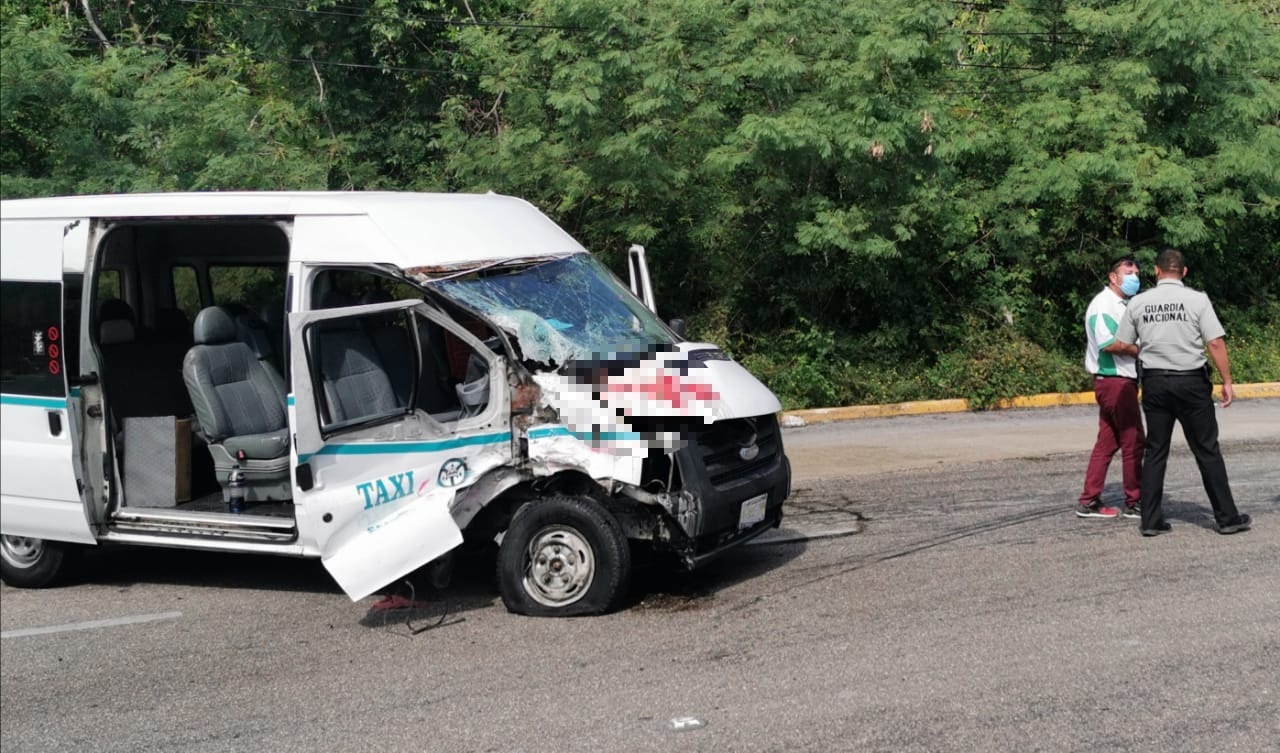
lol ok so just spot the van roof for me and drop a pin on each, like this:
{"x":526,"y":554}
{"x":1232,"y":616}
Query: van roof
{"x":423,"y":228}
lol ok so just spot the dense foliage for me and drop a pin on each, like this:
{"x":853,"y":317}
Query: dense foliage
{"x":864,"y":201}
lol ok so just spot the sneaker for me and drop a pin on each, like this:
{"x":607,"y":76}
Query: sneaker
{"x":1242,"y":524}
{"x":1096,"y":509}
{"x":1133,"y":512}
{"x":1156,"y":530}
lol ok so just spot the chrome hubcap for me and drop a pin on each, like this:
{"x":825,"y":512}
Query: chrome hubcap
{"x":561,"y":567}
{"x":20,"y":551}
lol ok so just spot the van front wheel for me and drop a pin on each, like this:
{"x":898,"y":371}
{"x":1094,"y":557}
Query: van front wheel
{"x":563,"y":557}
{"x":31,"y":563}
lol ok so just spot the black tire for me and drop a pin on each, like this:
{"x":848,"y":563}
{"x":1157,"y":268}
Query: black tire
{"x":563,"y":556}
{"x":32,"y":563}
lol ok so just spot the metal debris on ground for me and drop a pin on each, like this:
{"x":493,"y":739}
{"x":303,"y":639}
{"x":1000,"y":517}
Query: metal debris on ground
{"x":394,"y":604}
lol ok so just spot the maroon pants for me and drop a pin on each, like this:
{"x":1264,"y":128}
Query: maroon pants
{"x":1119,"y":428}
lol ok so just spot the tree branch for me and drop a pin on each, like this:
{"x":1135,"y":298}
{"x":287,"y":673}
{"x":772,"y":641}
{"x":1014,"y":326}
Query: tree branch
{"x":88,"y":16}
{"x":319,"y":81}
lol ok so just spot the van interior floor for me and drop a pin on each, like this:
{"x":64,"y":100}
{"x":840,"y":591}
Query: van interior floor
{"x":212,"y":502}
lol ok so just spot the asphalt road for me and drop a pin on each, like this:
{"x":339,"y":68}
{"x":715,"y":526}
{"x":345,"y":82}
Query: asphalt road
{"x":952,"y":602}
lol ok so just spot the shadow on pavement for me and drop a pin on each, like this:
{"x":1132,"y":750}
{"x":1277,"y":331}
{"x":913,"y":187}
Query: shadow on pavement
{"x":129,"y":566}
{"x":662,"y":587}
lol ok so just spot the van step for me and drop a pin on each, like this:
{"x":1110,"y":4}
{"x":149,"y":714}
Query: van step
{"x":242,"y":527}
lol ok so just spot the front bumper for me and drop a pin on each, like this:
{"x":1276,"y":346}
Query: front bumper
{"x":735,"y":461}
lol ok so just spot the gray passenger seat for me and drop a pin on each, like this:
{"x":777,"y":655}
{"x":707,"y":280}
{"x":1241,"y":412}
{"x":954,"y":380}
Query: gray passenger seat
{"x":395,"y":348}
{"x":140,"y":377}
{"x":252,"y":331}
{"x":239,"y":402}
{"x":354,"y":378}
{"x":392,"y":345}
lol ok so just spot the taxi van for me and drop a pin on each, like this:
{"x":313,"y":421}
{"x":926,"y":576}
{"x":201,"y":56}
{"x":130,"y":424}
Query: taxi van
{"x":371,"y":379}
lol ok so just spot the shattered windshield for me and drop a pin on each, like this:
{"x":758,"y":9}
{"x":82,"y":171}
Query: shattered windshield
{"x":561,"y":309}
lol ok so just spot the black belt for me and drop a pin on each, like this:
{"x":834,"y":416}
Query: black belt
{"x":1173,"y":372}
{"x":1114,"y":376}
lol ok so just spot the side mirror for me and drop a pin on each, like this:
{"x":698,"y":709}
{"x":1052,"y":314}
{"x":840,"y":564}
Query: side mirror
{"x":677,"y":326}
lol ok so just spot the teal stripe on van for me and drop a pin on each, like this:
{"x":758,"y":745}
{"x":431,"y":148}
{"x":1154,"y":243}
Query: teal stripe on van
{"x":50,"y":403}
{"x":402,"y":448}
{"x":547,"y":432}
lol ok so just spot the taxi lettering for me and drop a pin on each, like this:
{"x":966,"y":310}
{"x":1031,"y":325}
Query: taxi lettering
{"x":382,"y":491}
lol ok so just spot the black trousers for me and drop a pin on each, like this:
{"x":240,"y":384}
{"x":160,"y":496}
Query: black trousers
{"x":1187,"y":399}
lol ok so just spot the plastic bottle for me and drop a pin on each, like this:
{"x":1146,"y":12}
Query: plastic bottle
{"x":235,"y":490}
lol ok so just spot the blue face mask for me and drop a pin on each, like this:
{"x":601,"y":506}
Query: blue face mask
{"x":1129,"y":284}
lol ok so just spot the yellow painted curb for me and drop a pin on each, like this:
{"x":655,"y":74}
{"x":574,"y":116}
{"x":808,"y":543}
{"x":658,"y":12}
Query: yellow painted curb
{"x":848,"y":413}
{"x":1251,"y":391}
{"x":922,"y":407}
{"x":1047,"y":400}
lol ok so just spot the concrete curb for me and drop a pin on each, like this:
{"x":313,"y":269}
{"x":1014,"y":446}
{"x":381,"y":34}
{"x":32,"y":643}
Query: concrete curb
{"x":796,"y":418}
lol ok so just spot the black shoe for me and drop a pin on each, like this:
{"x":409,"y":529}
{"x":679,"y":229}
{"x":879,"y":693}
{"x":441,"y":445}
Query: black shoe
{"x":1158,"y":529}
{"x":1133,"y":512}
{"x":1096,"y":509}
{"x":1242,"y":524}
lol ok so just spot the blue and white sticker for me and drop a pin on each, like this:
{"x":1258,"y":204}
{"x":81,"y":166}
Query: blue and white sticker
{"x":452,"y":473}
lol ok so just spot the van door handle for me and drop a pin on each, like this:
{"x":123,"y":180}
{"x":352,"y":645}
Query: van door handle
{"x":94,"y":411}
{"x":55,"y":423}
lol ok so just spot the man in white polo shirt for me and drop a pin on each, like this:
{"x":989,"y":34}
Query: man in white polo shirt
{"x":1115,"y":388}
{"x":1175,"y":325}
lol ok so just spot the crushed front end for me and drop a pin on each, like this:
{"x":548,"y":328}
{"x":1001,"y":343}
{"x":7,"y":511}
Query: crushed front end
{"x":732,"y":481}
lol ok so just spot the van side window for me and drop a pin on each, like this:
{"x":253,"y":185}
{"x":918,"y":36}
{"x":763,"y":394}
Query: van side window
{"x":109,"y":284}
{"x":356,"y":382}
{"x":250,"y":286}
{"x":349,"y":287}
{"x":451,"y":379}
{"x":31,"y":358}
{"x":186,"y":291}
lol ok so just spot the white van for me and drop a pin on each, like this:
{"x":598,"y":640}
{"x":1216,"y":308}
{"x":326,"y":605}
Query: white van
{"x":367,"y":378}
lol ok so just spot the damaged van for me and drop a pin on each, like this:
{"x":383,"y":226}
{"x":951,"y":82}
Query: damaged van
{"x":371,"y":379}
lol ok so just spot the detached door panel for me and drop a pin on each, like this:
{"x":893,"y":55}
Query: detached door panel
{"x":380,"y":472}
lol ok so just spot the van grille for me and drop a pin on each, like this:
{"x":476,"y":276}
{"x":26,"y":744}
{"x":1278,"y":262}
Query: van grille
{"x":722,"y":444}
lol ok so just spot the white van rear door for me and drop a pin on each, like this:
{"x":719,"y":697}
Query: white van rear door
{"x":375,"y":477}
{"x":39,"y":494}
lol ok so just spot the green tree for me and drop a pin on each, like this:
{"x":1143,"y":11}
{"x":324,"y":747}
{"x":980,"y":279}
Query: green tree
{"x":916,"y":191}
{"x":1130,"y":127}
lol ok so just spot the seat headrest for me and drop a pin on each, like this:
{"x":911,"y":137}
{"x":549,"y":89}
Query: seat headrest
{"x":475,"y":392}
{"x":115,"y":331}
{"x":214,"y":326}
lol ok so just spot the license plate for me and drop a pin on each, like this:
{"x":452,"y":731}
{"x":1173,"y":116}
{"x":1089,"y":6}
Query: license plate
{"x":752,"y":511}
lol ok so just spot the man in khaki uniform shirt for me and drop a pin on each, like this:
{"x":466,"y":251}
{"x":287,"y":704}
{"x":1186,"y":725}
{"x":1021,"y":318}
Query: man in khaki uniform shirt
{"x":1175,"y":324}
